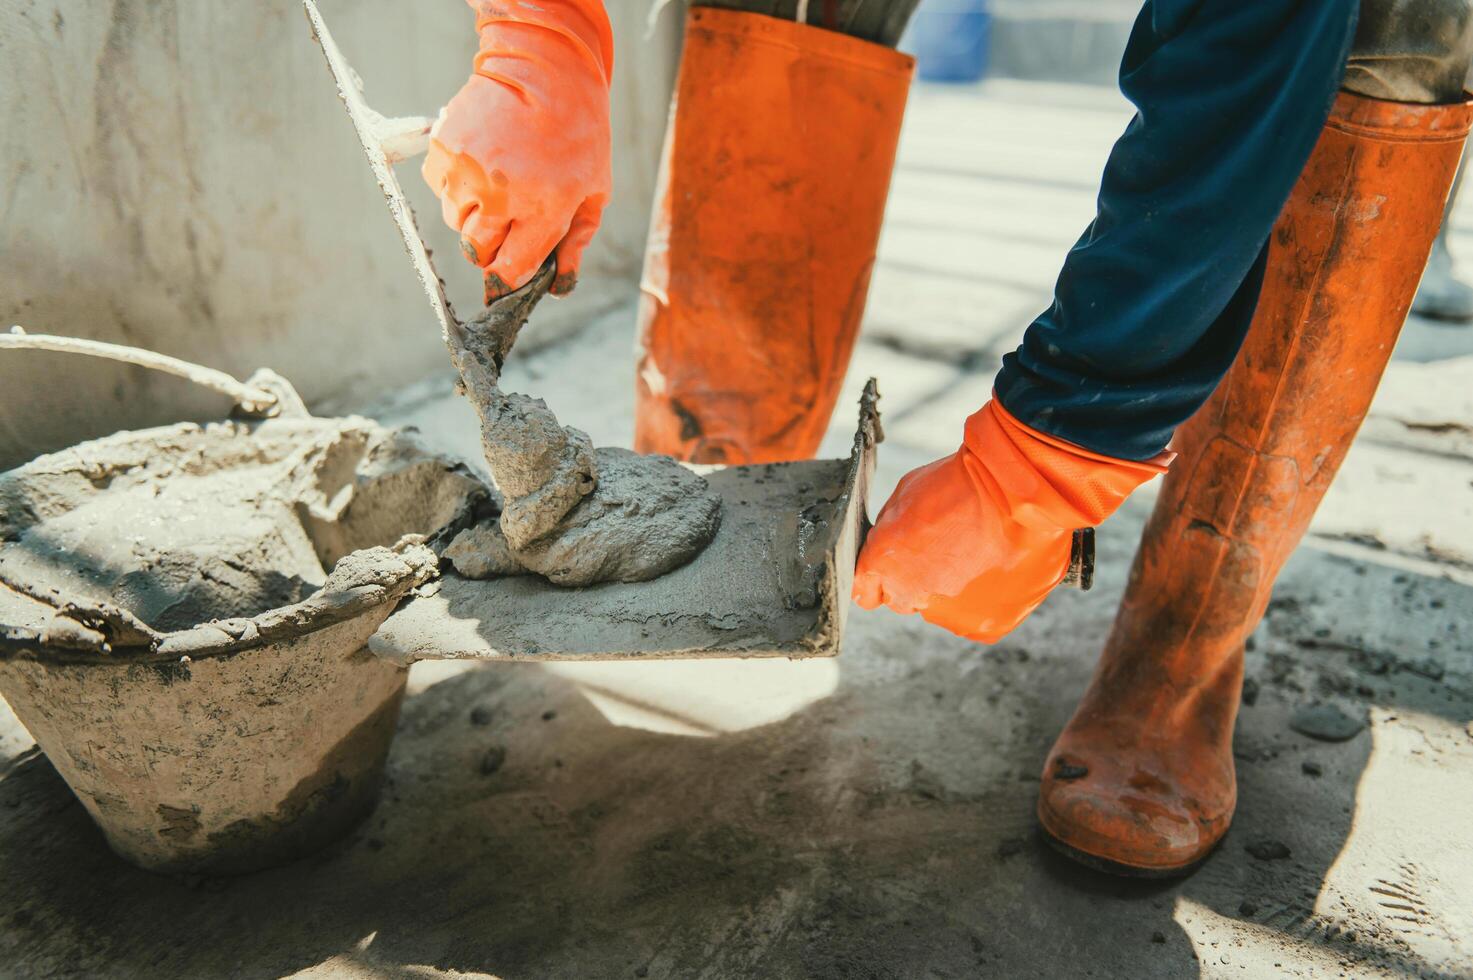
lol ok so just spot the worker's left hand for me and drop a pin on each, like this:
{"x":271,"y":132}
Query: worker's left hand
{"x":975,"y":541}
{"x":520,"y":156}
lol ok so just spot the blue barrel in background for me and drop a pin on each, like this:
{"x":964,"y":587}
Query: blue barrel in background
{"x":949,"y":40}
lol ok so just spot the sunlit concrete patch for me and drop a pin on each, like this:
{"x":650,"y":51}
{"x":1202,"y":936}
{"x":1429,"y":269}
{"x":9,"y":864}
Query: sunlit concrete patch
{"x":1228,"y":947}
{"x":948,"y":318}
{"x":1407,"y":501}
{"x":427,"y":673}
{"x":1433,"y":395}
{"x":362,"y":964}
{"x":701,"y":698}
{"x":1392,"y":902}
{"x":1424,"y":407}
{"x":1402,"y":881}
{"x":1034,"y":212}
{"x":905,"y":380}
{"x":936,"y":425}
{"x":1366,"y":552}
{"x":1020,"y":132}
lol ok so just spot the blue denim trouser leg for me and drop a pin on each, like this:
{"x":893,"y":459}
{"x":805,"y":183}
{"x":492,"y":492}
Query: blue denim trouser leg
{"x":1154,"y":300}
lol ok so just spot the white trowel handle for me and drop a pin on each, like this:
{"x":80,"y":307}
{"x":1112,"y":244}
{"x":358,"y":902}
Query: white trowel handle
{"x":403,"y":137}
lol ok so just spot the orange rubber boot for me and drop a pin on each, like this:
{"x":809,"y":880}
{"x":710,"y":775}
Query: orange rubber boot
{"x":1141,"y":781}
{"x":776,"y":167}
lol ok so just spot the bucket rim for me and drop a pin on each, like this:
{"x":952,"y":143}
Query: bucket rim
{"x":103,"y":635}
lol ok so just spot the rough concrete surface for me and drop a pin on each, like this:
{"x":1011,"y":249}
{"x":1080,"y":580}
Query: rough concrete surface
{"x":870,"y":816}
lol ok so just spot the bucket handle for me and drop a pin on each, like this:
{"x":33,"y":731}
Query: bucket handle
{"x":263,"y":395}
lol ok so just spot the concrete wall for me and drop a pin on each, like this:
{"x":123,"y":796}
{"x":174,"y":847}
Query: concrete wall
{"x":1060,"y":40}
{"x":179,"y":175}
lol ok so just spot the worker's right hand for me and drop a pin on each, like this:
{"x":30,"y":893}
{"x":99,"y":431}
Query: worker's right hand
{"x":974,"y":542}
{"x":520,"y":156}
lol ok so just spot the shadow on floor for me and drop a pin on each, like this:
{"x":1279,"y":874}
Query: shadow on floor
{"x":885,"y":831}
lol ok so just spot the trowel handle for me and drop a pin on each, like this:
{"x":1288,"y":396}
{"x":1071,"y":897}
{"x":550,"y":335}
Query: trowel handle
{"x":488,"y":338}
{"x":1081,"y":572}
{"x":405,"y":137}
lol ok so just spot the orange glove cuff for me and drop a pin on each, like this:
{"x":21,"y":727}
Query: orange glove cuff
{"x":975,"y":541}
{"x":583,"y":23}
{"x":1042,"y":480}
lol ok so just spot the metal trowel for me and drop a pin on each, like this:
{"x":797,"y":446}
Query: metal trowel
{"x":773,"y":582}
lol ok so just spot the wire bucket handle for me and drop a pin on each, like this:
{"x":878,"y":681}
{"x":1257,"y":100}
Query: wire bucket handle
{"x":265,"y":394}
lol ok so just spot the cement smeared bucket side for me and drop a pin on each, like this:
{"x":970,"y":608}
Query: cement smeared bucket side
{"x":244,"y":741}
{"x":226,"y":764}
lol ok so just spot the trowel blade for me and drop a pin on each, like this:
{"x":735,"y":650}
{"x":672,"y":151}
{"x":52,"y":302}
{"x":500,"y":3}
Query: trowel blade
{"x":373,"y":129}
{"x":775,"y":582}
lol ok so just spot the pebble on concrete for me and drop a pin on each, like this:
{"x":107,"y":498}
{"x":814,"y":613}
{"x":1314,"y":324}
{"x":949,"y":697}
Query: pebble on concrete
{"x":1326,"y":722}
{"x":1250,"y":692}
{"x":1268,"y":849}
{"x":493,"y":760}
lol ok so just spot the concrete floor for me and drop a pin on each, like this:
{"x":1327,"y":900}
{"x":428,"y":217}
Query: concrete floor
{"x":871,"y":816}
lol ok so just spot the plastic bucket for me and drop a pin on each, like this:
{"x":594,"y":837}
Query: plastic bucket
{"x":949,"y":39}
{"x":184,"y":658}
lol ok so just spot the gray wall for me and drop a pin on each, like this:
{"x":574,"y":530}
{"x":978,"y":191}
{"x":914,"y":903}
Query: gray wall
{"x":179,"y":175}
{"x":1078,"y":41}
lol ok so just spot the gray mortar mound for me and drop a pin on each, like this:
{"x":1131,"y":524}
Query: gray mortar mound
{"x":572,"y":514}
{"x":186,"y":524}
{"x":647,"y":516}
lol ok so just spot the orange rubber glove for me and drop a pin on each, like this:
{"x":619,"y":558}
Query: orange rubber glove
{"x":975,"y":541}
{"x":520,"y":156}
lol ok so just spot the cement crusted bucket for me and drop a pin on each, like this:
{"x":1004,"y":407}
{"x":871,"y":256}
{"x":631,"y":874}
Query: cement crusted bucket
{"x":170,"y":637}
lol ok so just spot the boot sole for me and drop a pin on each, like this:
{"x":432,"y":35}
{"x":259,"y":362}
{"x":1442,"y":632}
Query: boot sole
{"x":1107,"y":866}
